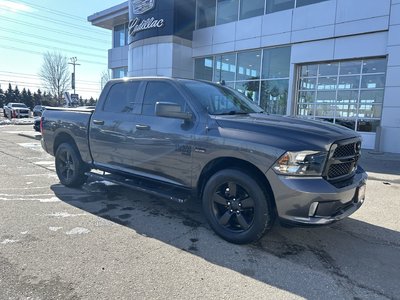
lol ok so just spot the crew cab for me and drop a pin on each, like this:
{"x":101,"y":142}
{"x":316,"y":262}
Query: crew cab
{"x":185,"y":139}
{"x":16,"y":110}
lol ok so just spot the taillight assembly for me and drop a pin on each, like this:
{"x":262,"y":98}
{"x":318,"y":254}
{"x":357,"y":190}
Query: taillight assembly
{"x":41,"y":124}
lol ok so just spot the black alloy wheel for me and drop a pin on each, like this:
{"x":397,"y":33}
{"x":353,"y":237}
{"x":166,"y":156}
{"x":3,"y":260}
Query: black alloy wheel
{"x":236,"y":207}
{"x":69,"y":166}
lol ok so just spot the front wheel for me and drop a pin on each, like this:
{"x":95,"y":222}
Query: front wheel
{"x":237,"y":208}
{"x":69,"y":166}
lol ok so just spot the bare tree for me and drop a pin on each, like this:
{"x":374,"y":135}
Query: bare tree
{"x":55,"y":74}
{"x":105,"y":77}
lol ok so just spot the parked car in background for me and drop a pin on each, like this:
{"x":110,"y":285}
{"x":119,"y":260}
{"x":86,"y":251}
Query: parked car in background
{"x":16,"y":110}
{"x":38,"y":110}
{"x":36,"y":124}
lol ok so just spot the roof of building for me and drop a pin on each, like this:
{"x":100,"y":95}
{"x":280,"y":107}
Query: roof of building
{"x":110,"y":17}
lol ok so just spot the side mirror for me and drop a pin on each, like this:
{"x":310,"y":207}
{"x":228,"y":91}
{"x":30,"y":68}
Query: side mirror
{"x":172,"y":110}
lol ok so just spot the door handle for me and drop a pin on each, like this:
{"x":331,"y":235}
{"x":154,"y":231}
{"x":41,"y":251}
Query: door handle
{"x":142,"y":127}
{"x":98,"y":122}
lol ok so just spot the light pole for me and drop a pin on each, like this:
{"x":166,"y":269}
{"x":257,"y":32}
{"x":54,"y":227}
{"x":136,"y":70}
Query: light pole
{"x":73,"y":62}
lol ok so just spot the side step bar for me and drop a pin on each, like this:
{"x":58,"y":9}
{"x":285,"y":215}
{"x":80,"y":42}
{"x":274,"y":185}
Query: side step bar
{"x":152,"y":188}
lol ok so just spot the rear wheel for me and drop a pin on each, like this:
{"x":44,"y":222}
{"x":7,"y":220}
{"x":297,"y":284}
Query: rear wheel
{"x":236,"y":206}
{"x":69,"y":166}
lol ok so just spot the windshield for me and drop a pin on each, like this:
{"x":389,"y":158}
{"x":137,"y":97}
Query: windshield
{"x":220,"y":100}
{"x":19,"y":105}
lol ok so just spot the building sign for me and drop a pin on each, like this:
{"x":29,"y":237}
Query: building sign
{"x":137,"y":25}
{"x":141,"y":6}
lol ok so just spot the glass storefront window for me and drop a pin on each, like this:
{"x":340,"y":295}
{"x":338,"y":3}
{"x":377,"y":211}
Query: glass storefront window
{"x":203,"y":68}
{"x":374,"y":66}
{"x":276,"y":63}
{"x":300,"y":3}
{"x":120,"y":35}
{"x":205,"y":12}
{"x":349,"y":82}
{"x":251,"y":8}
{"x":120,"y":72}
{"x":274,"y":96}
{"x":278,"y":5}
{"x":250,"y":88}
{"x":309,"y":70}
{"x":248,"y":65}
{"x":350,"y":67}
{"x":373,"y":81}
{"x":348,"y":93}
{"x":328,"y":69}
{"x":227,"y":11}
{"x":225,"y":68}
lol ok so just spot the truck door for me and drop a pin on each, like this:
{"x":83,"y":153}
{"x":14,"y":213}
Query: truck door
{"x":163,"y":146}
{"x":113,"y":126}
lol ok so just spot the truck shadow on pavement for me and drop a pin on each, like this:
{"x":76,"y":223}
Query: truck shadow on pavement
{"x":350,"y":259}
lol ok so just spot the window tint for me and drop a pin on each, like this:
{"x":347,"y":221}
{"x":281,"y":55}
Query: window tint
{"x":122,"y":97}
{"x":278,"y":5}
{"x":203,"y":68}
{"x":307,"y":2}
{"x":205,"y":13}
{"x":227,"y":11}
{"x":251,"y":8}
{"x":157,"y":91}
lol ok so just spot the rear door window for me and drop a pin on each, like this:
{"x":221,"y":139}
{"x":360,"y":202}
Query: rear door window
{"x":122,"y":97}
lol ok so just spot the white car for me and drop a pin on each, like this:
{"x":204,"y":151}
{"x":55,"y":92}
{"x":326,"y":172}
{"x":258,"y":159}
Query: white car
{"x":16,"y":110}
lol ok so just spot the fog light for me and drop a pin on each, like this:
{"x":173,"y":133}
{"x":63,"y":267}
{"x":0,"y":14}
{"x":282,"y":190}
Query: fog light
{"x":313,"y":209}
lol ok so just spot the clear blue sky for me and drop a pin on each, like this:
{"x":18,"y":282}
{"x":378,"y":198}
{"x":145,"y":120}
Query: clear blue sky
{"x":28,"y":28}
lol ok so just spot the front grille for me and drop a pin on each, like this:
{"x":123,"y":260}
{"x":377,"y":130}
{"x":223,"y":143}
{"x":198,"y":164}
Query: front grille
{"x":343,"y":159}
{"x":339,"y":170}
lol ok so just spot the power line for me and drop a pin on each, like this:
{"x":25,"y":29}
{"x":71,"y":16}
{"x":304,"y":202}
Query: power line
{"x":49,"y":39}
{"x":36,"y":85}
{"x":54,"y":48}
{"x":58,"y":22}
{"x":85,"y":37}
{"x":57,"y":12}
{"x":41,"y":54}
{"x":35,"y":77}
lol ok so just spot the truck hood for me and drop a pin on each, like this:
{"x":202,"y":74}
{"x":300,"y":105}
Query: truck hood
{"x":287,"y":133}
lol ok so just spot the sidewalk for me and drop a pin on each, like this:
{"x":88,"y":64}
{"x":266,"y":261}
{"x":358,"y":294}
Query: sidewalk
{"x":380,"y":165}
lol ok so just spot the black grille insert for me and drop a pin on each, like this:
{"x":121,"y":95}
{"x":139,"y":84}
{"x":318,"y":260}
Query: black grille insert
{"x":344,"y":156}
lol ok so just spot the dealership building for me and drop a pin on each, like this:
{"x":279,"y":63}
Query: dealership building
{"x":332,"y":60}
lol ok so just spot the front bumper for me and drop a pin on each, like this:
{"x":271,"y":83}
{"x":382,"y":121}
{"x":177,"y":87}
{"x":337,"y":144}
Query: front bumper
{"x":314,"y":200}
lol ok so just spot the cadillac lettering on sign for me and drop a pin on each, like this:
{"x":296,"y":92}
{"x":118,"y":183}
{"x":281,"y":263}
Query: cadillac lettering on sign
{"x":137,"y":24}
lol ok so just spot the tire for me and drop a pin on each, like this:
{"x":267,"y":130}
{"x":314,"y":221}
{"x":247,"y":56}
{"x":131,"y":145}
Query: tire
{"x":69,"y":166}
{"x":236,"y":207}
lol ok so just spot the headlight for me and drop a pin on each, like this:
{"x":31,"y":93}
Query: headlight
{"x":304,"y":163}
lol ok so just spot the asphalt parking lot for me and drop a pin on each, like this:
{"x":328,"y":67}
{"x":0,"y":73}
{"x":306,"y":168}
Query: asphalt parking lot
{"x":107,"y":242}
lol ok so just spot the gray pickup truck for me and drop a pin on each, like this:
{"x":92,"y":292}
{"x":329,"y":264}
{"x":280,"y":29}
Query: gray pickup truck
{"x":184,"y":139}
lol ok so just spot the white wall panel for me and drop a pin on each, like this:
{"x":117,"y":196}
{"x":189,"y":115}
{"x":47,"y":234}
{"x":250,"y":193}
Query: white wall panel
{"x":278,"y":22}
{"x":349,"y":10}
{"x":310,"y":16}
{"x":316,"y":33}
{"x":362,"y":26}
{"x":373,"y":44}
{"x":224,"y":33}
{"x":313,"y":51}
{"x":248,"y":28}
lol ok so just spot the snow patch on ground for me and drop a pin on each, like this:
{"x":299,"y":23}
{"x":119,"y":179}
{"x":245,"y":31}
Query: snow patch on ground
{"x":55,"y":228}
{"x":7,"y":241}
{"x":78,"y":230}
{"x":64,"y":215}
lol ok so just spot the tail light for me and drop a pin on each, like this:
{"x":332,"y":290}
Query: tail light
{"x":14,"y":113}
{"x":41,"y":124}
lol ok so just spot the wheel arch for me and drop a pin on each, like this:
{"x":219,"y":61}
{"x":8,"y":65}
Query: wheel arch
{"x":64,"y":137}
{"x":222,"y":163}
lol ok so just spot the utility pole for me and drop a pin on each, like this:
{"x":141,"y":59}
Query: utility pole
{"x":73,"y":62}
